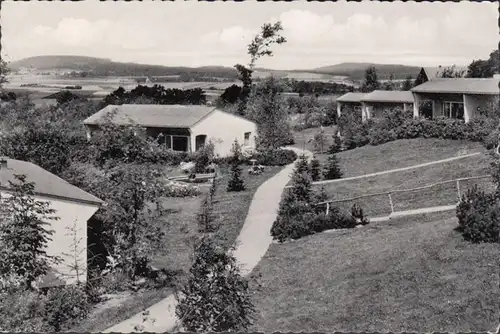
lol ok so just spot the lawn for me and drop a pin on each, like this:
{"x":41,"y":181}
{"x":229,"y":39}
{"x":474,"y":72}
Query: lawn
{"x":404,"y":275}
{"x":303,"y":139}
{"x":230,"y":210}
{"x":436,"y":196}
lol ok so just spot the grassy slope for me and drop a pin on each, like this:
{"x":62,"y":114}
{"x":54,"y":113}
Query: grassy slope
{"x":439,"y":195}
{"x":405,"y":275}
{"x":180,"y":225}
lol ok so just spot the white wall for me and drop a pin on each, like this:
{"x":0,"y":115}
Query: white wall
{"x":223,"y":128}
{"x":472,"y":103}
{"x":69,"y":213}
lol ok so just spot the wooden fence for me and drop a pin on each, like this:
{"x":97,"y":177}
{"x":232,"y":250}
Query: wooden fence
{"x":390,"y":194}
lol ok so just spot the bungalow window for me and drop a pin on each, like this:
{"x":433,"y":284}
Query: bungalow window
{"x":246,"y":141}
{"x":453,"y":110}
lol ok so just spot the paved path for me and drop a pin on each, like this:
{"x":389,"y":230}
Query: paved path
{"x":396,"y":170}
{"x":251,"y":245}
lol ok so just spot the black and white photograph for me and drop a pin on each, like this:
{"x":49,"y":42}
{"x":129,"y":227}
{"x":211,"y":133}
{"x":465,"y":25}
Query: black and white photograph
{"x":249,"y":166}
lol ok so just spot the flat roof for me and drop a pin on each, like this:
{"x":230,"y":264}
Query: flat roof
{"x":351,"y":97}
{"x":391,"y":96}
{"x":483,"y":86}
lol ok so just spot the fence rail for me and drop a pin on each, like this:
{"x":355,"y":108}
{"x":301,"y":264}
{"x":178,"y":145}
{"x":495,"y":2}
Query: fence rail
{"x":398,"y":191}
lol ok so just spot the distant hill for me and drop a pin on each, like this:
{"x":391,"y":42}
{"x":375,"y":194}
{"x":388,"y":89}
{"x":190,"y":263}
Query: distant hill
{"x":356,"y":71}
{"x":105,"y":67}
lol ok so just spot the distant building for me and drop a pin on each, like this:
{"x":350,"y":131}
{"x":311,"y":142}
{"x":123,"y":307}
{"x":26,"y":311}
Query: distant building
{"x":185,"y":128}
{"x":74,"y":208}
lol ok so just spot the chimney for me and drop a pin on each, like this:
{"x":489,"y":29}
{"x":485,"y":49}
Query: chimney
{"x":3,"y":162}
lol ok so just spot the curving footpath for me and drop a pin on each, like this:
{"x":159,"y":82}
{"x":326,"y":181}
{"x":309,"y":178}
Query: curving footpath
{"x":251,"y":245}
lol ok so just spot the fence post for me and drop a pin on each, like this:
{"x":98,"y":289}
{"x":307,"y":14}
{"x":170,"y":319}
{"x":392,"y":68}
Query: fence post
{"x":458,"y":189}
{"x":327,"y":208}
{"x":390,"y":201}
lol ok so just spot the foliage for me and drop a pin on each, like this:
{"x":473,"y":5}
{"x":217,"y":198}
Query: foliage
{"x":354,"y":132}
{"x":315,"y":169}
{"x":484,"y":68}
{"x":407,"y":84}
{"x":320,"y":141}
{"x":179,"y":189}
{"x":451,"y":72}
{"x":205,"y":217}
{"x":336,"y":145}
{"x":156,"y":94}
{"x":278,"y":157}
{"x":478,"y":216}
{"x":22,"y":311}
{"x":235,"y":183}
{"x":216,"y":297}
{"x":300,"y":219}
{"x":4,"y":71}
{"x":66,"y":304}
{"x":25,"y":233}
{"x":204,"y":156}
{"x":332,"y":169}
{"x":65,"y":97}
{"x":390,"y":84}
{"x":47,"y":146}
{"x":371,"y":81}
{"x":258,"y":47}
{"x":131,"y":230}
{"x":267,"y":109}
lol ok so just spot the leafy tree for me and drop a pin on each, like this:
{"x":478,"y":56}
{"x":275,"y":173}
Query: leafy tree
{"x":216,"y":297}
{"x":260,"y":46}
{"x":390,"y":85}
{"x":230,"y":95}
{"x":267,"y":109}
{"x":24,"y":233}
{"x":484,"y":68}
{"x":332,"y":169}
{"x":408,"y":83}
{"x":4,"y":71}
{"x":371,"y":81}
{"x":451,"y":72}
{"x":315,"y":169}
{"x":66,"y":96}
{"x":320,"y":141}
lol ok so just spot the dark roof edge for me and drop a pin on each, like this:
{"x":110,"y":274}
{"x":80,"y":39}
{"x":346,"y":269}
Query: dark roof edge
{"x":99,"y":202}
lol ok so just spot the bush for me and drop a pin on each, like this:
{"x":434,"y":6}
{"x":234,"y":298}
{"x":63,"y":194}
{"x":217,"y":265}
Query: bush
{"x":66,"y":304}
{"x":315,"y":169}
{"x":279,"y":157}
{"x":178,"y":189}
{"x":332,"y":169}
{"x":478,"y":216}
{"x":235,"y":183}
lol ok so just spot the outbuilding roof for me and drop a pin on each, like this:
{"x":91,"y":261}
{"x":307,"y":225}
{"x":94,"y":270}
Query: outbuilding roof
{"x":486,"y":86}
{"x":351,"y":97}
{"x":152,"y":115}
{"x":46,"y":183}
{"x":388,"y":96}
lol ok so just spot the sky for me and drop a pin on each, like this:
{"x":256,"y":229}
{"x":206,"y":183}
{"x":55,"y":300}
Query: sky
{"x":191,"y":33}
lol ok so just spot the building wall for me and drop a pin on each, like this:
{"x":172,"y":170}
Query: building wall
{"x":223,"y":128}
{"x":71,"y":215}
{"x":474,"y":102}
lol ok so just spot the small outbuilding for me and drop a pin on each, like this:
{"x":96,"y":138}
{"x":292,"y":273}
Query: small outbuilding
{"x":73,"y":207}
{"x":458,"y":98}
{"x":185,"y":128}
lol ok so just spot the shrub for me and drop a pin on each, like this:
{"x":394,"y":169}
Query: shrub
{"x":178,"y":189}
{"x":332,"y":169}
{"x":23,"y":311}
{"x":478,"y":216}
{"x":235,"y":183}
{"x":315,"y":169}
{"x":66,"y":304}
{"x":290,"y":223}
{"x":278,"y":157}
{"x":336,"y":146}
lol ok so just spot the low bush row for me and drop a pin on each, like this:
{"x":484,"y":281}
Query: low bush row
{"x":396,"y":124}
